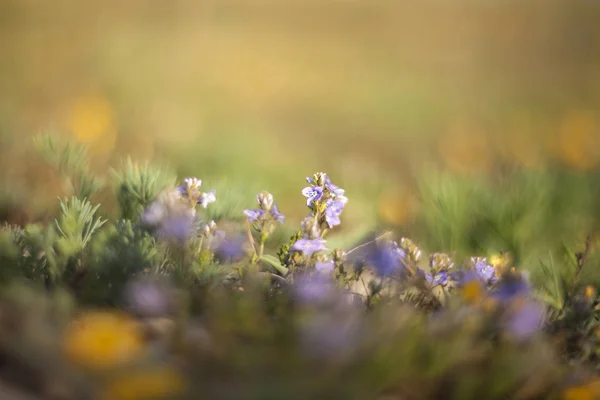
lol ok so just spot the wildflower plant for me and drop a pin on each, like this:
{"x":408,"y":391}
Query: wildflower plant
{"x":167,"y":300}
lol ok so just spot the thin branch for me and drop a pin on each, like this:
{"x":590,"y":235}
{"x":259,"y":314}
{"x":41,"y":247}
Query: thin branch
{"x":369,"y":242}
{"x":250,"y":238}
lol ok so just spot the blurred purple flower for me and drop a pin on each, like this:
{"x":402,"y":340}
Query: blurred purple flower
{"x":229,"y":249}
{"x":510,"y":288}
{"x":527,"y":320}
{"x":279,"y":217}
{"x":177,"y":227}
{"x":254,"y":215}
{"x":308,"y":246}
{"x":148,"y":297}
{"x":441,"y":278}
{"x":317,"y":288}
{"x":324,"y":267}
{"x":386,"y":259}
{"x":257,"y":214}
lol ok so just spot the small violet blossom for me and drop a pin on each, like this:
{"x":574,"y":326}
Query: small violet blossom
{"x":526,"y":321}
{"x":441,"y":278}
{"x":254,"y":215}
{"x":309,"y":246}
{"x":387,"y":259}
{"x":486,"y":272}
{"x":333,"y":211}
{"x":267,"y":206}
{"x":512,"y":287}
{"x":324,"y":267}
{"x":170,"y":218}
{"x":311,"y":289}
{"x":312,"y":194}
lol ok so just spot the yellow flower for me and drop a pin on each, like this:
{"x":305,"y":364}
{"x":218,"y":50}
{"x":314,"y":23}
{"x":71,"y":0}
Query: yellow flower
{"x":590,"y":292}
{"x":590,"y":390}
{"x":500,"y":262}
{"x":396,"y":208}
{"x":472,"y":292}
{"x":576,"y":142}
{"x":578,"y":393}
{"x":161,"y":382}
{"x":91,"y":120}
{"x":99,"y":340}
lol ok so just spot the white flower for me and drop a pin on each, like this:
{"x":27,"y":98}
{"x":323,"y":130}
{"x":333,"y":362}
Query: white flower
{"x":207,"y":198}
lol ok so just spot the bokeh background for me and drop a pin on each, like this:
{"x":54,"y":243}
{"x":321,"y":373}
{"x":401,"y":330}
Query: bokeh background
{"x":252,"y":95}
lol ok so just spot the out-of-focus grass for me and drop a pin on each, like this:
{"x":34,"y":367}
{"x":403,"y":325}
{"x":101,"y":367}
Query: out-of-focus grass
{"x":265,"y":93}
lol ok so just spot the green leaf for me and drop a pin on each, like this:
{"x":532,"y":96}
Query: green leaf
{"x":274,"y":262}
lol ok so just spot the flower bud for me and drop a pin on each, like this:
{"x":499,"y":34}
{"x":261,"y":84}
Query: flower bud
{"x":411,"y":249}
{"x":209,"y":228}
{"x":440,"y":261}
{"x":310,"y":228}
{"x":265,"y":200}
{"x":320,"y":178}
{"x":339,"y":256}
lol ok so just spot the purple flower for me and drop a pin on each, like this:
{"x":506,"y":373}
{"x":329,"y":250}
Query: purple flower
{"x":486,"y":272}
{"x":148,"y":298}
{"x":333,"y":189}
{"x":441,"y":278}
{"x":308,"y":246}
{"x":312,"y":194}
{"x":324,"y":267}
{"x":333,"y":211}
{"x":177,"y":227}
{"x":279,"y":217}
{"x":527,"y":320}
{"x":254,"y":215}
{"x":229,"y":249}
{"x":314,"y":289}
{"x":463,"y":277}
{"x":386,"y":259}
{"x":509,"y":288}
{"x":257,"y":214}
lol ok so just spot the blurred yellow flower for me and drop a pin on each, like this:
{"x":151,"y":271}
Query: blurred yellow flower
{"x":578,"y":393}
{"x":91,"y":121}
{"x":590,"y":390}
{"x":590,"y":292}
{"x":102,"y":339}
{"x":396,"y":208}
{"x":472,"y":292}
{"x":577,"y":140}
{"x":163,"y":382}
{"x":500,"y":262}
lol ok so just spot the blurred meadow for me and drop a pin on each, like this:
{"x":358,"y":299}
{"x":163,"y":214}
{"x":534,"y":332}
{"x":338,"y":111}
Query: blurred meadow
{"x":257,"y":93}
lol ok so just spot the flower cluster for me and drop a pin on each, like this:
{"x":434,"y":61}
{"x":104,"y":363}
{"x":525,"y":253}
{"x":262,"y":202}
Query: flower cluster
{"x":172,"y":215}
{"x":267,"y":209}
{"x":190,"y":191}
{"x":325,"y":200}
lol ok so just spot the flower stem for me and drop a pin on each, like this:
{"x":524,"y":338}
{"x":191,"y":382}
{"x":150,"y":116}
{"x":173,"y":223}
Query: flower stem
{"x":250,"y":238}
